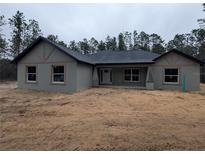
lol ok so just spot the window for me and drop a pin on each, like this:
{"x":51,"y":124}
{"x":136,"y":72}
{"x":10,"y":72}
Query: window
{"x":135,"y":74}
{"x":128,"y":74}
{"x":58,"y":74}
{"x":31,"y":74}
{"x":171,"y":75}
{"x":131,"y":74}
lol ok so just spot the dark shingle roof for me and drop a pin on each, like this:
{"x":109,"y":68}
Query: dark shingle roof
{"x":77,"y":56}
{"x":123,"y":57}
{"x":105,"y":57}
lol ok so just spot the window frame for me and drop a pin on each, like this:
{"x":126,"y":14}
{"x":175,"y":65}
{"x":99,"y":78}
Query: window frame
{"x":52,"y":74}
{"x":31,"y":81}
{"x":178,"y":76}
{"x":131,"y":75}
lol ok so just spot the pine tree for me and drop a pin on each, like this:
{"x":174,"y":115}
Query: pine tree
{"x":143,"y":41}
{"x":202,"y":21}
{"x":121,"y":42}
{"x":128,"y":40}
{"x":101,"y":46}
{"x":84,"y":46}
{"x":62,"y":43}
{"x":73,"y":46}
{"x":113,"y":44}
{"x":199,"y":37}
{"x":108,"y":42}
{"x":3,"y":43}
{"x":32,"y":32}
{"x":156,"y":44}
{"x":93,"y":43}
{"x":18,"y":25}
{"x":53,"y":38}
{"x":178,"y":42}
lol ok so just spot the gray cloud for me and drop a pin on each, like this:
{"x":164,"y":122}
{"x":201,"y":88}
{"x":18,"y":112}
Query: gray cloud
{"x":78,"y":21}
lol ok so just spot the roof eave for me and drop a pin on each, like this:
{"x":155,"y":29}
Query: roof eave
{"x":40,"y":38}
{"x":124,"y":63}
{"x":180,"y":53}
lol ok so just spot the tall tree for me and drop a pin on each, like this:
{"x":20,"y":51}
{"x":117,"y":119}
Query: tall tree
{"x":18,"y":25}
{"x":156,"y":43}
{"x":202,"y":21}
{"x":143,"y":41}
{"x":108,"y":42}
{"x":53,"y":38}
{"x":199,"y":35}
{"x":158,"y":48}
{"x":101,"y":46}
{"x":178,"y":42}
{"x":135,"y":40}
{"x":189,"y":43}
{"x":73,"y":46}
{"x":32,"y":32}
{"x":93,"y":43}
{"x":84,"y":46}
{"x":121,"y":42}
{"x":3,"y":43}
{"x":113,"y":44}
{"x":2,"y":22}
{"x":128,"y":40}
{"x":155,"y":39}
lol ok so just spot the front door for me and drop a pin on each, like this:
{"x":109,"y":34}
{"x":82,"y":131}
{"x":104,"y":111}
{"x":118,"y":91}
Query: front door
{"x":106,"y":76}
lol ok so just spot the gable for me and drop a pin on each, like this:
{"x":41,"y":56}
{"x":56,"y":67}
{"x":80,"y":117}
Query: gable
{"x":175,"y":59}
{"x":181,"y":54}
{"x":75,"y":55}
{"x":43,"y":52}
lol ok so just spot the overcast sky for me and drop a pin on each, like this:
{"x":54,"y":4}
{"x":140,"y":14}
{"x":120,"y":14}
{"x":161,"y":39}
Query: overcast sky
{"x":78,"y":21}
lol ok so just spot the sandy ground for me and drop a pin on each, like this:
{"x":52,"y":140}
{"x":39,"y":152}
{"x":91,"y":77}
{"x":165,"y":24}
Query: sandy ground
{"x":101,"y":119}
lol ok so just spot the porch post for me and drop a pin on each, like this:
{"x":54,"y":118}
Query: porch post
{"x":95,"y":77}
{"x":149,"y":79}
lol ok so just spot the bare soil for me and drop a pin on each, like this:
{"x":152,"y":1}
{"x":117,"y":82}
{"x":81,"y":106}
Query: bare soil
{"x":101,"y":119}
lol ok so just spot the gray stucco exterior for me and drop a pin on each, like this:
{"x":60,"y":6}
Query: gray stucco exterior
{"x":43,"y":56}
{"x":84,"y":76}
{"x":82,"y":72}
{"x":118,"y":77}
{"x":118,"y":74}
{"x":187,"y":68}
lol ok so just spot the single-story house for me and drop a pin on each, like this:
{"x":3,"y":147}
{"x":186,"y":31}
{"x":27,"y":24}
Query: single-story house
{"x":45,"y":65}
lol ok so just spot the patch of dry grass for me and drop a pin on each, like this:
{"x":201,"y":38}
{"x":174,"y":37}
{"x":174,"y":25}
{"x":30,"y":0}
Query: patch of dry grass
{"x":102,"y":119}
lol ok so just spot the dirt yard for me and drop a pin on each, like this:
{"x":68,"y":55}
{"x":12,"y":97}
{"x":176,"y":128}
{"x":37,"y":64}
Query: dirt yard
{"x":101,"y":119}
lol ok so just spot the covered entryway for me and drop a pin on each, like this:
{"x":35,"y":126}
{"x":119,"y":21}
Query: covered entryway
{"x":134,"y":76}
{"x":106,"y":76}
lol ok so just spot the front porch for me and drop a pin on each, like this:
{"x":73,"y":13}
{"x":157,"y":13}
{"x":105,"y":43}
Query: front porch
{"x":136,"y":76}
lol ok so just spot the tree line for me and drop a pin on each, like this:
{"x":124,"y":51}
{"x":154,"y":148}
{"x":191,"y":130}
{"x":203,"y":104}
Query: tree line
{"x":24,"y":31}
